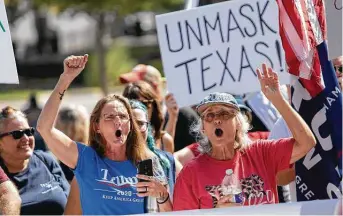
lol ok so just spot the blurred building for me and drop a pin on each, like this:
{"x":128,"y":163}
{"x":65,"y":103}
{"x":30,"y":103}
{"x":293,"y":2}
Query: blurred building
{"x":72,"y":32}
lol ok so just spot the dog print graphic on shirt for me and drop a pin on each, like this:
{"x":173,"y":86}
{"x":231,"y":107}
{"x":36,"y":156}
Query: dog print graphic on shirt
{"x":252,"y":192}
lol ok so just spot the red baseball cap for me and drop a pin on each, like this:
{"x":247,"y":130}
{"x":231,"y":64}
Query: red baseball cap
{"x":143,"y":72}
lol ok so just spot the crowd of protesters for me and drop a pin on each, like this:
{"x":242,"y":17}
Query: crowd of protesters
{"x":209,"y":155}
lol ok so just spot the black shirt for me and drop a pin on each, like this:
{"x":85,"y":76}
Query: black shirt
{"x":42,"y":186}
{"x":183,"y":136}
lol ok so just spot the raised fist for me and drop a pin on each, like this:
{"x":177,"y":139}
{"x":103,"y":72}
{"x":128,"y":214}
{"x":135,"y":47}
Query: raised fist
{"x":73,"y":65}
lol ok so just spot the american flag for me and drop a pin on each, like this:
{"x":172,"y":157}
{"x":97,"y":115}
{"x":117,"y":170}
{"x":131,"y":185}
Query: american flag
{"x":315,"y":95}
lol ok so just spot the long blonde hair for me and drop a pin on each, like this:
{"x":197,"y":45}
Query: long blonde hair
{"x":136,"y":149}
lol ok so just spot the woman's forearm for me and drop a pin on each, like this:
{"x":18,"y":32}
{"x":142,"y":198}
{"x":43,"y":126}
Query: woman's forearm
{"x":171,"y":125}
{"x":300,"y":130}
{"x":49,"y":113}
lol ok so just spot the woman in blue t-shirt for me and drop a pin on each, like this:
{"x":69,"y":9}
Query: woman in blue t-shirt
{"x":169,"y":165}
{"x":106,"y":169}
{"x":42,"y":186}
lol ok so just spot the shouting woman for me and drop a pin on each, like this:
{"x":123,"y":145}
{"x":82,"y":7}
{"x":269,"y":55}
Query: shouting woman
{"x":233,"y":170}
{"x":105,"y":169}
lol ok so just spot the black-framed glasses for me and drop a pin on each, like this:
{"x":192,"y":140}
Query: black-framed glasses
{"x":223,"y":115}
{"x":339,"y":68}
{"x":142,"y":125}
{"x":19,"y":133}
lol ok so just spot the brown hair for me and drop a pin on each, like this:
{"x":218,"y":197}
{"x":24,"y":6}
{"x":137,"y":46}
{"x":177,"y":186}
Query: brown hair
{"x":136,"y":149}
{"x":141,"y":89}
{"x":9,"y":113}
{"x":74,"y":122}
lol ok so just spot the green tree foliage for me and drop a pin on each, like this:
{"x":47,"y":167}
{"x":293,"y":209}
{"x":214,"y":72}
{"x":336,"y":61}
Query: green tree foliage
{"x":122,"y":7}
{"x":98,"y":9}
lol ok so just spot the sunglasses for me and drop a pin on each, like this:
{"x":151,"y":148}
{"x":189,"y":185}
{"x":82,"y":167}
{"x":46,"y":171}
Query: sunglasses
{"x":339,"y":68}
{"x":223,"y":115}
{"x":19,"y":133}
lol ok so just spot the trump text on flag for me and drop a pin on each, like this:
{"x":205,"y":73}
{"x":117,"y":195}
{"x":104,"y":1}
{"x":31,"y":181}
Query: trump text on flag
{"x":218,"y":48}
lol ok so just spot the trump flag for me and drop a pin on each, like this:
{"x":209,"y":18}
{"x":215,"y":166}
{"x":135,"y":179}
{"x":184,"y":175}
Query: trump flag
{"x":316,"y":96}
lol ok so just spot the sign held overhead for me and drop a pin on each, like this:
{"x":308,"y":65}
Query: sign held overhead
{"x":334,"y":15}
{"x":8,"y":71}
{"x":218,"y":48}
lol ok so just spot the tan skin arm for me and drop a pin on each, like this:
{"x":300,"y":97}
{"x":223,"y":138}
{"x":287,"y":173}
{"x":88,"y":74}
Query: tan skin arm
{"x":285,"y":177}
{"x":173,"y":112}
{"x":60,"y":144}
{"x":304,"y":138}
{"x":168,"y":142}
{"x":184,"y":155}
{"x":10,"y":201}
{"x":73,"y":206}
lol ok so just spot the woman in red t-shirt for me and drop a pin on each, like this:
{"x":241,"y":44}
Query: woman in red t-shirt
{"x":233,"y":170}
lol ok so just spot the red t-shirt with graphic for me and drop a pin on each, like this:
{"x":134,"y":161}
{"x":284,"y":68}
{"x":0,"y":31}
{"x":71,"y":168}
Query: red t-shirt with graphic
{"x":199,"y":185}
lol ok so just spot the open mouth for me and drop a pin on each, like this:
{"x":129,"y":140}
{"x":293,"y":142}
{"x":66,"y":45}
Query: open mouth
{"x":218,"y":132}
{"x":118,"y":133}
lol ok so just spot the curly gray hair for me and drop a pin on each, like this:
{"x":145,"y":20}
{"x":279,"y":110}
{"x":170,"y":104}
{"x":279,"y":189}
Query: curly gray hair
{"x":242,"y":138}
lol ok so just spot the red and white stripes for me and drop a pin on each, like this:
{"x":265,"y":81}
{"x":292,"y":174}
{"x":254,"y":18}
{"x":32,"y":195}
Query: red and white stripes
{"x":302,"y":28}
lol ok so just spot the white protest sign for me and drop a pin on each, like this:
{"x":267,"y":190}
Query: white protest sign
{"x":334,"y":16}
{"x":218,"y":48}
{"x":315,"y":207}
{"x":8,"y":68}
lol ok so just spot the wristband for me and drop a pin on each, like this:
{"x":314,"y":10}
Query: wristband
{"x":166,"y":199}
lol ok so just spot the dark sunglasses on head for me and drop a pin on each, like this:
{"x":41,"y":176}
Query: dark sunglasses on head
{"x":339,"y":68}
{"x":19,"y":133}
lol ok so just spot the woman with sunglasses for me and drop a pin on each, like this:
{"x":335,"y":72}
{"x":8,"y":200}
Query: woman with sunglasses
{"x":106,"y":169}
{"x":38,"y":177}
{"x":233,"y":170}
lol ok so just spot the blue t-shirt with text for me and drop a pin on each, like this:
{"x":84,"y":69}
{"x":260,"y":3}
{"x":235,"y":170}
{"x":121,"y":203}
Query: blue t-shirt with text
{"x":106,"y":186}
